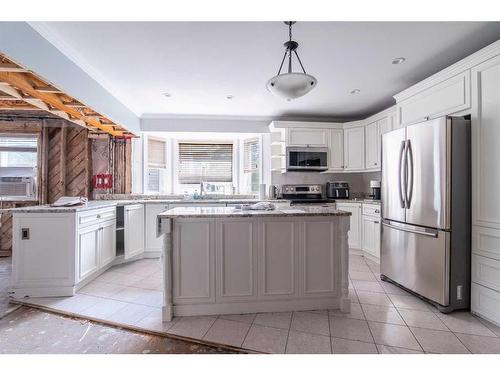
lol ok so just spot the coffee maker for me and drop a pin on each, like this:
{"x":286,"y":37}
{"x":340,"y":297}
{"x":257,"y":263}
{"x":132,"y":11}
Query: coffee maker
{"x":375,"y":186}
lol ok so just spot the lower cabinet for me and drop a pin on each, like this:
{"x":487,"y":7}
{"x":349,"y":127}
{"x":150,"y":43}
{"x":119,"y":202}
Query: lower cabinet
{"x":107,"y":243}
{"x":371,"y":236}
{"x":134,"y":230}
{"x":153,"y":243}
{"x":354,"y":239}
{"x":88,"y":251}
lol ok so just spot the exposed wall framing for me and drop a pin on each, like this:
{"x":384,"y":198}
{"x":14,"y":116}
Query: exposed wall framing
{"x":65,"y":163}
{"x":22,"y":89}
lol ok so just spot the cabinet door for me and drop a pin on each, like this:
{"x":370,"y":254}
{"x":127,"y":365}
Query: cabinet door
{"x":485,"y":141}
{"x":354,"y":234}
{"x":134,"y":230}
{"x":372,"y":146}
{"x":371,"y":236}
{"x":193,"y":261}
{"x":236,"y":257}
{"x":278,"y":258}
{"x":336,"y":148}
{"x":447,"y":97}
{"x":107,"y":243}
{"x":153,"y":243}
{"x":88,"y":253}
{"x":385,"y":125}
{"x":307,"y":137}
{"x":354,"y":149}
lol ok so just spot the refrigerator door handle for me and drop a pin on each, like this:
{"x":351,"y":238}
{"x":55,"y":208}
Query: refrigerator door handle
{"x":409,"y":182}
{"x":424,"y":233}
{"x":402,"y":191}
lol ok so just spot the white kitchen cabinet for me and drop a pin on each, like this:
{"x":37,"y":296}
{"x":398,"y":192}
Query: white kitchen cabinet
{"x":88,"y":255}
{"x":485,"y":144}
{"x":278,"y":258}
{"x":236,"y":257}
{"x":371,"y":236}
{"x":107,"y":243}
{"x":372,"y":142}
{"x":193,"y":260}
{"x":354,"y":149}
{"x":153,"y":244}
{"x":336,"y":149}
{"x":354,"y":234}
{"x":444,"y":98}
{"x":386,"y":124}
{"x":307,"y":137}
{"x":134,"y":230}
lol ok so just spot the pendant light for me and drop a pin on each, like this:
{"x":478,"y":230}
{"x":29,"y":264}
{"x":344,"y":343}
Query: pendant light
{"x":291,"y":85}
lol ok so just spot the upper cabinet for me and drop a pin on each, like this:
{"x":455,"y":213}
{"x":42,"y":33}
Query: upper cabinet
{"x":354,"y":149}
{"x":307,"y":137}
{"x":372,"y":149}
{"x":336,"y":148}
{"x":485,"y":141}
{"x":446,"y":97}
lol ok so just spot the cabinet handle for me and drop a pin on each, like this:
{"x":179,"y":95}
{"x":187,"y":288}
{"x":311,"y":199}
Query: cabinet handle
{"x":376,"y":222}
{"x":98,"y":216}
{"x":375,"y":163}
{"x":377,"y":211}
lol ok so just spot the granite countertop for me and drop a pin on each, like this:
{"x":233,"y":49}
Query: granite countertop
{"x":215,"y":212}
{"x":97,"y":204}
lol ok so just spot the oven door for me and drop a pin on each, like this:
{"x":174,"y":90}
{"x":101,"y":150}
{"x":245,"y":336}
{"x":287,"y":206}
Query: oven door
{"x":307,"y":159}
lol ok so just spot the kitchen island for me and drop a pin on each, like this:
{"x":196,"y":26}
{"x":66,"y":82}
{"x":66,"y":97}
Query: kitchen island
{"x":223,"y":260}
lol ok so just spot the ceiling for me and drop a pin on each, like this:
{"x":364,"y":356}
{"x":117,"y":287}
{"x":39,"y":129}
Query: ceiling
{"x":200,"y":63}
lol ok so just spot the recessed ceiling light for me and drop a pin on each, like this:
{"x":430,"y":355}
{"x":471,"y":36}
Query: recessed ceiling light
{"x":355,"y":91}
{"x":167,"y":94}
{"x":229,"y":96}
{"x":398,"y":60}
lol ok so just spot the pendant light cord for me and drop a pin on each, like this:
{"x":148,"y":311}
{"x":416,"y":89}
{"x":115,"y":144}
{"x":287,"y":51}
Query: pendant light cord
{"x":289,"y":53}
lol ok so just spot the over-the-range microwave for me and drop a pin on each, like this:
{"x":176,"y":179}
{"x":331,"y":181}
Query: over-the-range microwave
{"x":313,"y":159}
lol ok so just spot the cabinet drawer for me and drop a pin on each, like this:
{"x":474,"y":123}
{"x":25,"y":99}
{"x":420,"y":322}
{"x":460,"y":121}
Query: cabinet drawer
{"x":486,"y":242}
{"x":485,"y":302}
{"x":486,"y":271}
{"x":371,"y":210}
{"x":96,"y":216}
{"x":444,"y":98}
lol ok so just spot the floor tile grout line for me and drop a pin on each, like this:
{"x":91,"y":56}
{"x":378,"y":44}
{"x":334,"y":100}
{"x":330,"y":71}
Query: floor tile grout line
{"x":330,"y":332}
{"x":288,"y":333}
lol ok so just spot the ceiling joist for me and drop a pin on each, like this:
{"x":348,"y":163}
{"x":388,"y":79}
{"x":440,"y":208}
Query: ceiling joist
{"x":23,"y":89}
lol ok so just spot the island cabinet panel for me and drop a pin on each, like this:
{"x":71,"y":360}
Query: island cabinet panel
{"x":317,"y":258}
{"x":153,"y":243}
{"x":278,"y":258}
{"x":44,"y":254}
{"x":194,"y":260}
{"x":236,"y":257}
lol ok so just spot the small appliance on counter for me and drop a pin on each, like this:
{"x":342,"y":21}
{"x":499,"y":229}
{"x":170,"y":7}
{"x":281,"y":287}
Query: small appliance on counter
{"x":337,"y":190}
{"x":274,"y":192}
{"x":375,"y":186}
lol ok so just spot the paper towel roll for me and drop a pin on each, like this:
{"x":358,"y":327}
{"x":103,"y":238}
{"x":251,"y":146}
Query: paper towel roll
{"x":262,"y":191}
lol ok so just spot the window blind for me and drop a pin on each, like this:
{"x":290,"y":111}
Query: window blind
{"x":156,"y":153}
{"x":205,"y":162}
{"x":251,"y":155}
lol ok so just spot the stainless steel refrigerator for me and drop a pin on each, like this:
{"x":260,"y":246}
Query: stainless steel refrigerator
{"x":426,"y":210}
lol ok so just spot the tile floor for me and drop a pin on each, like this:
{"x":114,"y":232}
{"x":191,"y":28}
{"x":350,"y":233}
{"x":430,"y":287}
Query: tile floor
{"x":383,"y":318}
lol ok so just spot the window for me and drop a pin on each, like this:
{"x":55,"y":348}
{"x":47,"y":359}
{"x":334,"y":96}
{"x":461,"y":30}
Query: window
{"x":205,"y":162}
{"x":18,"y":151}
{"x":157,"y":157}
{"x":251,"y":164}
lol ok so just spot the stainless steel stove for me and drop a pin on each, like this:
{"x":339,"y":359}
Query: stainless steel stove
{"x":304,"y":194}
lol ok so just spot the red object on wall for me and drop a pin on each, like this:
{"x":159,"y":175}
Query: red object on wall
{"x":102,"y":181}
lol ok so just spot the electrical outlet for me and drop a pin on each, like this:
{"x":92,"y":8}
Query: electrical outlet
{"x":25,"y":233}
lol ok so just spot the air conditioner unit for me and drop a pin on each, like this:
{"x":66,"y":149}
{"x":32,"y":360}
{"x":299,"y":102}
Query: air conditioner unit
{"x":17,"y":182}
{"x":156,"y":180}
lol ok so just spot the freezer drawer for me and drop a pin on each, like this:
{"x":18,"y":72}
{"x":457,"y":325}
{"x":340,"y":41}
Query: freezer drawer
{"x":417,"y":258}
